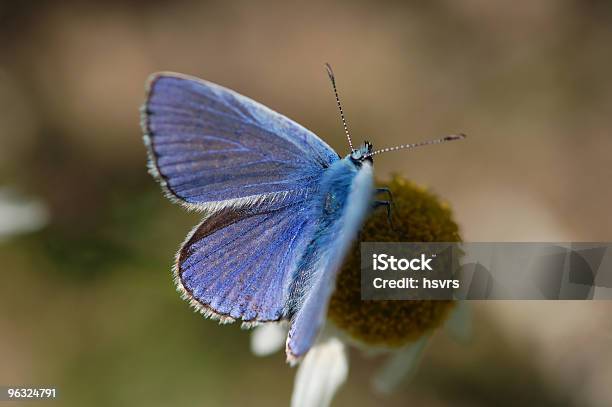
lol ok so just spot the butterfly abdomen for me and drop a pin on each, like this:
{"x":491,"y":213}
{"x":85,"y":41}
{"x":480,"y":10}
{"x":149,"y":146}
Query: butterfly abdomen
{"x":344,"y":202}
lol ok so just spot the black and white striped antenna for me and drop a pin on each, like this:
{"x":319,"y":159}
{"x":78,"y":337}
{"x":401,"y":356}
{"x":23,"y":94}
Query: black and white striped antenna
{"x":332,"y":78}
{"x":452,"y":137}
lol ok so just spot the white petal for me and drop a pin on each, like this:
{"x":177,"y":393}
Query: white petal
{"x":321,"y":373}
{"x":20,"y":215}
{"x":459,"y":325}
{"x":268,"y":338}
{"x":399,"y":367}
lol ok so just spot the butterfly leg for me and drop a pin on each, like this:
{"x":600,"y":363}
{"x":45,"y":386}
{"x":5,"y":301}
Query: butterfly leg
{"x":386,"y":204}
{"x":386,"y":191}
{"x":390,"y":201}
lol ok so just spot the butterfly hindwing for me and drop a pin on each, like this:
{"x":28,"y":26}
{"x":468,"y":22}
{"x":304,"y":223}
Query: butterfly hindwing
{"x":211,"y":147}
{"x":238,"y":263}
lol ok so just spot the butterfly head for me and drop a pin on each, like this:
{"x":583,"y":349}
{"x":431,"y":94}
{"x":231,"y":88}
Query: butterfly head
{"x":363,"y":153}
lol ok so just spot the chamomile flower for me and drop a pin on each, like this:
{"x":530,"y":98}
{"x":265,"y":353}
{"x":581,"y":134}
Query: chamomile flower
{"x":399,"y":328}
{"x":20,"y":215}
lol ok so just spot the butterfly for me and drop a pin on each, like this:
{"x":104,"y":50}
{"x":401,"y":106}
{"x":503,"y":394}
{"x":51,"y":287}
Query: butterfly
{"x":281,"y":207}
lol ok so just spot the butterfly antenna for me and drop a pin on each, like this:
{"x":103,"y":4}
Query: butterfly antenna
{"x":332,"y":78}
{"x":452,"y":137}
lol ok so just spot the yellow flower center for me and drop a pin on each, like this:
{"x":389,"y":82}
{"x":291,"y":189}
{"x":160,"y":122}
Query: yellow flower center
{"x":417,"y":216}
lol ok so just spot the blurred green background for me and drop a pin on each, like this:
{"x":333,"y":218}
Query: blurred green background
{"x":87,"y":303}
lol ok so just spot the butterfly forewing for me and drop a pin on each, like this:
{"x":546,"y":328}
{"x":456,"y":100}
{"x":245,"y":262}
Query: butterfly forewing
{"x":211,"y":147}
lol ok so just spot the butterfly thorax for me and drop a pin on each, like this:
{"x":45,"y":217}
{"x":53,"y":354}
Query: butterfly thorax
{"x":335,"y":186}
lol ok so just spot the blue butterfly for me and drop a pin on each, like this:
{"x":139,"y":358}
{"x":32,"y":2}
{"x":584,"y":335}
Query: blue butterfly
{"x":281,"y":207}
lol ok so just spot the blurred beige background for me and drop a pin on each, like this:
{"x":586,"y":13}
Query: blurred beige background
{"x":87,"y":302}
